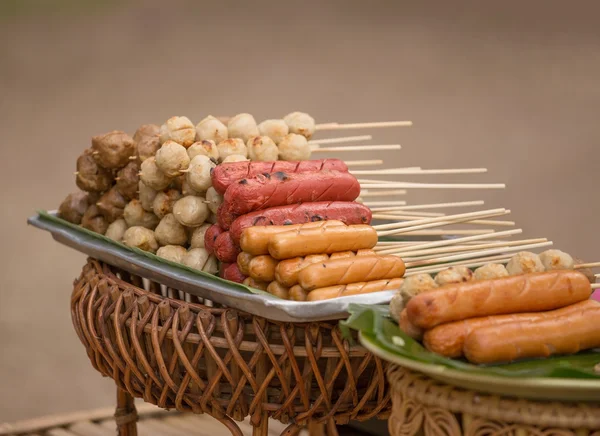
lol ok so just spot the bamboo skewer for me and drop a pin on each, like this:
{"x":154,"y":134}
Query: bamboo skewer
{"x":431,"y":206}
{"x":359,"y":163}
{"x":414,"y":215}
{"x":380,"y":203}
{"x":409,"y":217}
{"x":456,"y":241}
{"x":587,"y":265}
{"x":467,"y":263}
{"x":449,"y":218}
{"x":340,"y":140}
{"x":373,"y":125}
{"x":446,"y":232}
{"x":383,"y":193}
{"x":404,"y":171}
{"x":356,"y":148}
{"x":405,"y":185}
{"x":595,"y":286}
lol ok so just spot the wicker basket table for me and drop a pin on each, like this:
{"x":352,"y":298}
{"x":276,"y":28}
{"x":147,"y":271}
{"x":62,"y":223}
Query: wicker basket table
{"x":199,"y":357}
{"x":423,"y":406}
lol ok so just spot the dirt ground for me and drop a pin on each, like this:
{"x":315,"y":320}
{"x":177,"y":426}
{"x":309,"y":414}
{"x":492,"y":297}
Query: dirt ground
{"x":511,"y":86}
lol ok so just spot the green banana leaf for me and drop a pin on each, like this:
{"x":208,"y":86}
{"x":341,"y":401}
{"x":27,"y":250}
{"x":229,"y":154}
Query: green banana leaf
{"x":374,"y":323}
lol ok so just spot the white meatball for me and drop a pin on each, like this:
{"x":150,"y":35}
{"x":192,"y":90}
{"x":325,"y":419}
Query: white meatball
{"x":454,"y":274}
{"x":170,"y":232}
{"x":235,"y":158}
{"x":152,"y":176}
{"x":212,"y":265}
{"x":212,"y":218}
{"x":116,"y":230}
{"x":214,"y":199}
{"x":142,"y":238}
{"x":242,"y":126}
{"x":396,"y":306}
{"x":274,"y":129}
{"x":197,"y":236}
{"x":414,"y":285}
{"x":524,"y":262}
{"x":147,"y":196}
{"x":174,"y":253}
{"x":178,"y":129}
{"x":262,"y":148}
{"x":135,"y":215}
{"x":556,"y":259}
{"x":490,"y":271}
{"x":196,"y":258}
{"x":231,"y":146}
{"x":191,"y":211}
{"x":294,"y":147}
{"x":300,"y":123}
{"x":206,"y":147}
{"x":171,"y":158}
{"x":198,"y":176}
{"x":164,"y":201}
{"x":186,"y":189}
{"x":211,"y":129}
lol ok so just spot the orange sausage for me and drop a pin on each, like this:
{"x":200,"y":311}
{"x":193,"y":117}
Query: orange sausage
{"x":243,"y":260}
{"x":278,"y":290}
{"x":296,"y":293}
{"x":255,"y":240}
{"x":352,"y":289}
{"x":535,"y":292}
{"x":563,"y":331}
{"x":350,"y":270}
{"x":262,"y":268}
{"x":249,"y":281}
{"x":407,"y":327}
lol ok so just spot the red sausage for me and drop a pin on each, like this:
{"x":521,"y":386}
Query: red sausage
{"x":231,"y":272}
{"x":279,"y":189}
{"x":348,"y":212}
{"x":210,"y":237}
{"x":228,"y":173}
{"x":225,"y":249}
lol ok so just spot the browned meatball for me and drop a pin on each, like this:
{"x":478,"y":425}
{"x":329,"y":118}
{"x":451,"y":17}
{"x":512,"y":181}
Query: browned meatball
{"x":128,"y":180}
{"x":147,"y":141}
{"x":113,"y":149}
{"x":94,"y":220}
{"x":112,"y":204}
{"x":90,"y":176}
{"x":74,"y":206}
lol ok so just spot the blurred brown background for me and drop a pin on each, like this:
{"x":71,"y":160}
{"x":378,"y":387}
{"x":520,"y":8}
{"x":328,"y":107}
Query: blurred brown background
{"x":512,"y":86}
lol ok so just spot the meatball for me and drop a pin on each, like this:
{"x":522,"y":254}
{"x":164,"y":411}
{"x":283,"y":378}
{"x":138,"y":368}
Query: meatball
{"x":116,"y":230}
{"x":524,"y":262}
{"x":211,"y":129}
{"x":178,"y":129}
{"x":164,"y":202}
{"x":73,"y":207}
{"x":112,"y":204}
{"x":235,"y":158}
{"x":198,"y":176}
{"x":90,"y":176}
{"x":490,"y":271}
{"x":242,"y":126}
{"x":585,"y":271}
{"x":556,"y":259}
{"x":140,"y":237}
{"x":174,"y":253}
{"x":414,"y":285}
{"x":197,"y":236}
{"x":196,"y":258}
{"x":300,"y":123}
{"x":294,"y":147}
{"x":94,"y":220}
{"x":128,"y":179}
{"x":206,"y":148}
{"x":214,"y":199}
{"x":262,"y":148}
{"x":135,"y":215}
{"x":113,"y":149}
{"x":171,"y":158}
{"x":147,"y":141}
{"x":170,"y":232}
{"x":274,"y":129}
{"x":231,"y":146}
{"x":147,"y":196}
{"x":152,"y":176}
{"x":454,"y":274}
{"x":191,"y":211}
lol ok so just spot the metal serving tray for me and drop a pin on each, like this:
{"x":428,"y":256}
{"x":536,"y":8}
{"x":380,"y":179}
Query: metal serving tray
{"x":202,"y":284}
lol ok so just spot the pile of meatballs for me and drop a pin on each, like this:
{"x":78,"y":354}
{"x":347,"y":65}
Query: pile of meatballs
{"x":153,"y":191}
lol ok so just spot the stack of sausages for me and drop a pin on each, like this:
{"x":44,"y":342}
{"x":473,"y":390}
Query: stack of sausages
{"x":532,"y":315}
{"x":316,"y":261}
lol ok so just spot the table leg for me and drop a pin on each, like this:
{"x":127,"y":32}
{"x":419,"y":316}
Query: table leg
{"x":126,"y":415}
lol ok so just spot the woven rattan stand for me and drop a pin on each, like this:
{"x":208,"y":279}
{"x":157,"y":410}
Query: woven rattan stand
{"x":202,"y":358}
{"x":424,"y":406}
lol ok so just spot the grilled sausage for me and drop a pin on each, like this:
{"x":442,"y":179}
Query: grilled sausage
{"x":329,"y":292}
{"x":533,"y":292}
{"x":278,"y":290}
{"x":348,"y":270}
{"x":243,"y":261}
{"x":407,"y":327}
{"x":210,"y":237}
{"x":228,"y":173}
{"x":562,"y":331}
{"x":347,"y":212}
{"x":262,"y":268}
{"x":448,"y":339}
{"x":287,"y":270}
{"x":296,"y":293}
{"x":231,"y":272}
{"x":224,"y":249}
{"x":255,"y":240}
{"x":331,"y":239}
{"x":249,"y":281}
{"x":278,"y":189}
